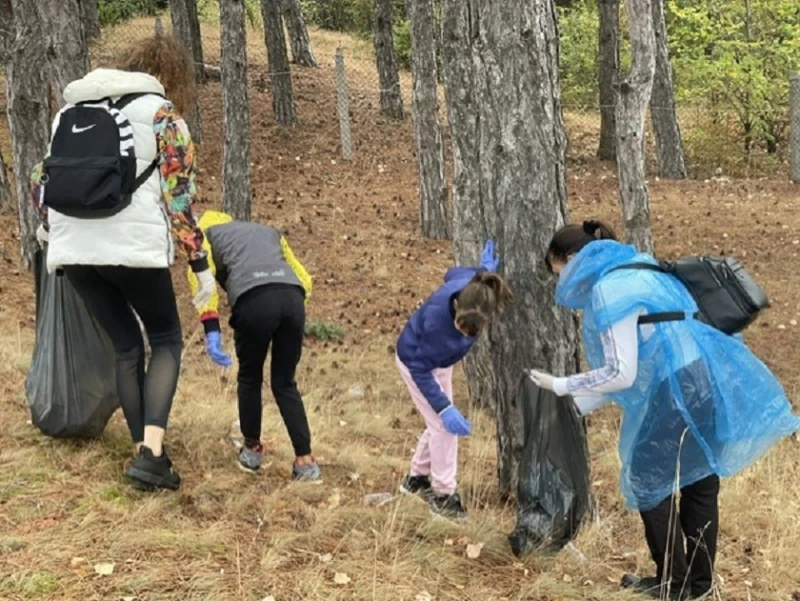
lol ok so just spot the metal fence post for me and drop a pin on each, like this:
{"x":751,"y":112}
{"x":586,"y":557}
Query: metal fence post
{"x":159,"y":27}
{"x":344,"y":108}
{"x":794,"y":124}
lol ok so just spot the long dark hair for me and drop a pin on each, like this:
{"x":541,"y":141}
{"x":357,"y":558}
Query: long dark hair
{"x":571,"y":238}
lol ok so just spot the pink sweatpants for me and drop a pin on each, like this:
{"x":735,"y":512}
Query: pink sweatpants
{"x":437,"y":450}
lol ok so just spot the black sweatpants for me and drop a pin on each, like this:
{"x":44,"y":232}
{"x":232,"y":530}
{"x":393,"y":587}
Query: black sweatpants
{"x":685,"y":538}
{"x":271,"y":315}
{"x":112,"y":293}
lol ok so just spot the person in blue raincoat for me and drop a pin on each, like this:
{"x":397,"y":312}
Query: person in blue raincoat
{"x":697,"y":404}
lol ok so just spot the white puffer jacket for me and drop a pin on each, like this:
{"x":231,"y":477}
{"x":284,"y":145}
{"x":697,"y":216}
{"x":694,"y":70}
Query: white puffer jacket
{"x":139,"y":235}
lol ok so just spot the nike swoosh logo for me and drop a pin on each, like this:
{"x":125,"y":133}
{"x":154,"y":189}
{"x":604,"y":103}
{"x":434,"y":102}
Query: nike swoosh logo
{"x":77,"y":130}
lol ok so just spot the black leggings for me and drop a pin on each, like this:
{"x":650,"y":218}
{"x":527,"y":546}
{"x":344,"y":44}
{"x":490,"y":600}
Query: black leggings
{"x":684,"y":539}
{"x":112,"y":294}
{"x":271,"y":315}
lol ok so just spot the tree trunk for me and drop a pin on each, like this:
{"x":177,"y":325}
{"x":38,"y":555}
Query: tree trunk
{"x":28,"y":89}
{"x":280,"y":76}
{"x":634,"y":96}
{"x":298,"y":34}
{"x":502,"y":85}
{"x":236,"y":192}
{"x":669,"y":146}
{"x":68,"y":53}
{"x":434,"y":214}
{"x":91,"y":19}
{"x":608,"y":72}
{"x":383,"y":33}
{"x":186,"y":29}
{"x":5,"y":185}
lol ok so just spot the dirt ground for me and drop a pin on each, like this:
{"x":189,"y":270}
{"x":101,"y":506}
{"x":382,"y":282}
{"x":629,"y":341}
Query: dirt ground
{"x":66,"y":512}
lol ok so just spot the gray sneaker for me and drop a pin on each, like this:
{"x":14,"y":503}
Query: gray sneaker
{"x":251,"y":458}
{"x":306,"y":473}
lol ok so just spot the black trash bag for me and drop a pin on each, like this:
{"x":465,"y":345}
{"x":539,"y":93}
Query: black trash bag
{"x":553,"y":493}
{"x":71,"y":384}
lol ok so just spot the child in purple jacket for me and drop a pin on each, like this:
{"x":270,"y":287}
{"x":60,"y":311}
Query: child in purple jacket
{"x":436,"y":337}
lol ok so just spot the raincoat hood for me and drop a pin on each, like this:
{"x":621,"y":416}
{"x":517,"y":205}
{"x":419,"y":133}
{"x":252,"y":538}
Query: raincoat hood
{"x":212,"y":218}
{"x":102,"y":83}
{"x":585,"y":269}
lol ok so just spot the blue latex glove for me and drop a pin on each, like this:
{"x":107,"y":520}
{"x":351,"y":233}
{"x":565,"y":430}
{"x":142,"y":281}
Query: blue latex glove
{"x":214,"y":350}
{"x":454,"y":422}
{"x":489,"y":260}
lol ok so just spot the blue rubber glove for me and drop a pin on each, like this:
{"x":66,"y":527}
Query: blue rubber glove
{"x":214,"y":350}
{"x":489,"y":260}
{"x":454,"y":422}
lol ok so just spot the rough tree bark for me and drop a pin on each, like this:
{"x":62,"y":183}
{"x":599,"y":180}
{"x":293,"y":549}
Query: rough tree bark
{"x":68,"y":52}
{"x":28,"y":89}
{"x":236,"y":192}
{"x":186,"y":29}
{"x":5,"y":185}
{"x":383,"y":34}
{"x":502,"y":85}
{"x":91,"y":19}
{"x":633,"y":98}
{"x":608,"y":71}
{"x":298,"y":34}
{"x":434,"y":215}
{"x":280,"y":76}
{"x":669,"y":145}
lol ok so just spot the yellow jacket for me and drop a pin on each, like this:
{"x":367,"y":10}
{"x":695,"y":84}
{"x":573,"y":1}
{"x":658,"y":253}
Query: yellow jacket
{"x":210,"y":219}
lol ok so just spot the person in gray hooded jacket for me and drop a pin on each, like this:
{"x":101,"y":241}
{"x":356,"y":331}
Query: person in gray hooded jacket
{"x":267,"y":288}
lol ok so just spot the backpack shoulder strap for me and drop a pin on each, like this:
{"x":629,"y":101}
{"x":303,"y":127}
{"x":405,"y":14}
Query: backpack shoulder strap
{"x":125,"y":100}
{"x":661,"y":267}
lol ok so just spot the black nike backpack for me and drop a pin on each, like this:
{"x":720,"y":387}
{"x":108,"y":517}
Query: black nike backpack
{"x":91,"y":170}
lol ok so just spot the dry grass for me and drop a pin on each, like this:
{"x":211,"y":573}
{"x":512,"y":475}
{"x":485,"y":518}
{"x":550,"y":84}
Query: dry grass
{"x":65,"y":508}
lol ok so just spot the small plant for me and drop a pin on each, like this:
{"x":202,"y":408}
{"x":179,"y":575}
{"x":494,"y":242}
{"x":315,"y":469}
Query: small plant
{"x":323,"y":330}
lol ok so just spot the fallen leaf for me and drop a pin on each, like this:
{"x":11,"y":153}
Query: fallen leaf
{"x":449,"y":542}
{"x":104,"y":569}
{"x":327,"y":558}
{"x":342,"y":423}
{"x":270,"y":598}
{"x":423,"y":596}
{"x":567,"y":578}
{"x":341,"y":579}
{"x":474,"y":551}
{"x":354,"y":477}
{"x":76,"y":561}
{"x":335,"y":499}
{"x":129,"y":599}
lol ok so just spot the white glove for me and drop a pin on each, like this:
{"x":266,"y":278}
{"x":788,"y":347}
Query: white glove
{"x":207,"y":287}
{"x":541,"y":379}
{"x":42,"y":235}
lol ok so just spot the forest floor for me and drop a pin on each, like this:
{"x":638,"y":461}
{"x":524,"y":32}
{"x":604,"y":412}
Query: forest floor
{"x":71,"y":528}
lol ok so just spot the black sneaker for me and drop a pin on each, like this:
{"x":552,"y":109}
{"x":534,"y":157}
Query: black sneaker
{"x":148,"y":472}
{"x":448,"y":506}
{"x":652,"y":587}
{"x":416,"y":485}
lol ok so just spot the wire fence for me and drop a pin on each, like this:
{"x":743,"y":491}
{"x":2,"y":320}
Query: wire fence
{"x":338,"y":108}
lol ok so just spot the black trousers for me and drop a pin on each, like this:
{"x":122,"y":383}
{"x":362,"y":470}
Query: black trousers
{"x":684,"y":539}
{"x":272,"y":315}
{"x":112,"y":294}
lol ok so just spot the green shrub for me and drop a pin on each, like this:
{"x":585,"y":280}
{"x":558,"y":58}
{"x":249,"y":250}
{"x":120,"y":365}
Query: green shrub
{"x":114,"y":12}
{"x":323,"y":330}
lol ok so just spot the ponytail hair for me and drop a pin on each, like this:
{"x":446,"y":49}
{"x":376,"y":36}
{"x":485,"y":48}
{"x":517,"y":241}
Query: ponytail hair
{"x":481,"y":301}
{"x":570,"y":239}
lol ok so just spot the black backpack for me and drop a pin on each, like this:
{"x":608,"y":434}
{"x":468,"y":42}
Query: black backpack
{"x":91,"y":170}
{"x":727,"y":297}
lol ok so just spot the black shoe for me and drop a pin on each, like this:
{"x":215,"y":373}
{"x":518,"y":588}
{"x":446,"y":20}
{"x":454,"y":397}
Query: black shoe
{"x":651,"y":587}
{"x":448,"y":506}
{"x":148,"y":472}
{"x":416,"y":485}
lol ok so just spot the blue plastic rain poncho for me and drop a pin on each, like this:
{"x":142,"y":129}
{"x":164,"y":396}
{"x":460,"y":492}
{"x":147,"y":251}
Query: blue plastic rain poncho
{"x":701,"y":403}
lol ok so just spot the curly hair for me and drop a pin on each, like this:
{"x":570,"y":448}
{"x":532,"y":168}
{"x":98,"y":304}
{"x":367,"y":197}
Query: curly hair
{"x":169,"y":62}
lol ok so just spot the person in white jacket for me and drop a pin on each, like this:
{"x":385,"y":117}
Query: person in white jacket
{"x":119,"y":263}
